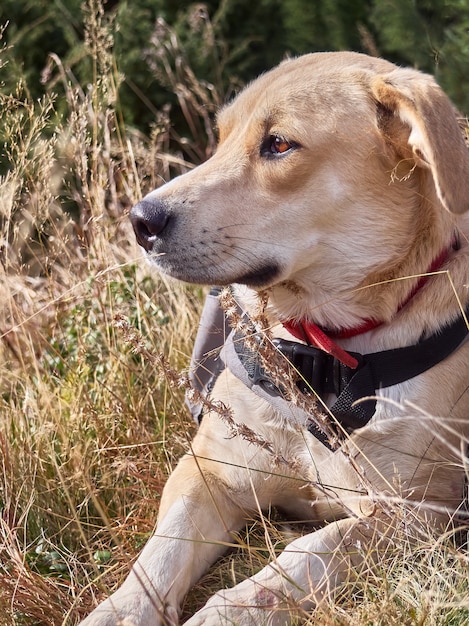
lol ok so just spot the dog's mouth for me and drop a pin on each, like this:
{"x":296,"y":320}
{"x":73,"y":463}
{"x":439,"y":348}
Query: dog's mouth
{"x":261,"y":277}
{"x":201,"y":254}
{"x":188,"y":271}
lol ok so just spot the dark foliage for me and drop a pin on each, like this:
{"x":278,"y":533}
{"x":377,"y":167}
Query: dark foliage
{"x":228,"y":42}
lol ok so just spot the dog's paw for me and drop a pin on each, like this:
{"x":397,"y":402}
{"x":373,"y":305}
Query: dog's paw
{"x":116,"y":612}
{"x":244,"y":605}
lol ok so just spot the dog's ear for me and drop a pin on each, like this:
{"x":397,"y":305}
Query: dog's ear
{"x":412,"y":101}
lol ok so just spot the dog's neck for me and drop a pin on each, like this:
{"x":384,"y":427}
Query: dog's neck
{"x":315,"y":336}
{"x":371,"y":323}
{"x":374,"y":302}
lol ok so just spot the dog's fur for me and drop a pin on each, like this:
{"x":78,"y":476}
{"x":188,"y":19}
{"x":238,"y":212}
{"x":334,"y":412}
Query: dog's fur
{"x":366,"y":185}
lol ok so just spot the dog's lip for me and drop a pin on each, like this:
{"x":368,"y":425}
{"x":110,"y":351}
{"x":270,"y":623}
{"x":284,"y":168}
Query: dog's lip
{"x":260,"y":276}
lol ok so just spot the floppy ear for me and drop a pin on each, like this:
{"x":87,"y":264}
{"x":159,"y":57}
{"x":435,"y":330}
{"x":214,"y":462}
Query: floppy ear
{"x":435,"y":138}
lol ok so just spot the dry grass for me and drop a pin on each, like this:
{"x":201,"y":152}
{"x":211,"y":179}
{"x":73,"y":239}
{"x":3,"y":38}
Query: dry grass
{"x":414,"y":582}
{"x":89,"y":427}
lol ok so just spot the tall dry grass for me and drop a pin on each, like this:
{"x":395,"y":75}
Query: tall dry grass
{"x":89,"y":427}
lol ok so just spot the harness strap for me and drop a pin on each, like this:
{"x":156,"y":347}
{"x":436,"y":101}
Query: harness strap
{"x":379,"y":370}
{"x":356,"y":387}
{"x":205,"y":364}
{"x":320,"y":372}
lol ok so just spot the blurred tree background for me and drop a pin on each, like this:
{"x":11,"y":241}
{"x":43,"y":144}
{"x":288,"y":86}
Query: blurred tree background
{"x":227,"y":43}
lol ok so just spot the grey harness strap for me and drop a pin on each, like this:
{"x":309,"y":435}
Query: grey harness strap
{"x":214,"y":350}
{"x":206,"y":365}
{"x":265,"y":388}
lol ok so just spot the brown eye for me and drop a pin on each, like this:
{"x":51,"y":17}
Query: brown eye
{"x":275,"y":145}
{"x":280,"y":145}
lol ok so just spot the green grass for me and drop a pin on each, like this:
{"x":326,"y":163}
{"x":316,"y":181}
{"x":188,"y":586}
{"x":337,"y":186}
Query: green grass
{"x":89,"y":425}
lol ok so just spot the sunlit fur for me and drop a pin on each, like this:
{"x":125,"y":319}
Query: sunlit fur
{"x":373,"y":190}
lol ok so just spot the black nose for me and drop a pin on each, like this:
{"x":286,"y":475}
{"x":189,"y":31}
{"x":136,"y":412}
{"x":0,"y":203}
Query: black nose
{"x":149,"y":218}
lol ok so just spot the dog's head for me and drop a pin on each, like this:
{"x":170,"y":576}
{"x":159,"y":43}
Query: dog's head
{"x":329,"y":168}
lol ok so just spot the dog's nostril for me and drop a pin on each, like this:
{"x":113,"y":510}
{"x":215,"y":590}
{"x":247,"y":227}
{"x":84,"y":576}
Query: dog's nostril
{"x":142,"y":231}
{"x":148,"y":219}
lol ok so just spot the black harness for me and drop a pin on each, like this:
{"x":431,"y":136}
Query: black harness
{"x":355,"y":389}
{"x":321,"y":373}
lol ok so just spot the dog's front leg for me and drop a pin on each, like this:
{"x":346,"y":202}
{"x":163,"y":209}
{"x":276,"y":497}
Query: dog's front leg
{"x":195,"y":523}
{"x":308,"y":571}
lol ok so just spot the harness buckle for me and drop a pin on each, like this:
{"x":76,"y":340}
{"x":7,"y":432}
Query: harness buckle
{"x":318,"y":371}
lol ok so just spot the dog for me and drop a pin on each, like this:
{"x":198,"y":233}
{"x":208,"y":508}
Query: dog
{"x":338,"y":194}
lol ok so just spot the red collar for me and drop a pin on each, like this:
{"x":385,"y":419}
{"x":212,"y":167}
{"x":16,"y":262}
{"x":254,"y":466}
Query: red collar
{"x":315,"y":336}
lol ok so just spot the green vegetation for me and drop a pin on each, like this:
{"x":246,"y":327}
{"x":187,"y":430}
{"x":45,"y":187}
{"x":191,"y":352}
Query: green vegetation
{"x":228,"y":42}
{"x":99,"y":104}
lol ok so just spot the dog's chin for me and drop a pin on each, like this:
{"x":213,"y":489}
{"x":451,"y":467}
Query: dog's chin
{"x":259,"y":277}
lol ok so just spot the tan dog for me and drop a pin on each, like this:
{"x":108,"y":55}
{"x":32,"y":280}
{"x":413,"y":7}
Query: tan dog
{"x":339,"y":180}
